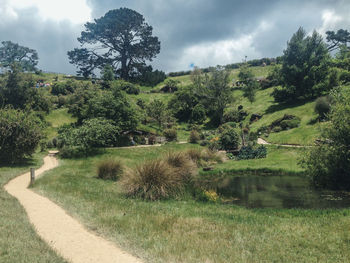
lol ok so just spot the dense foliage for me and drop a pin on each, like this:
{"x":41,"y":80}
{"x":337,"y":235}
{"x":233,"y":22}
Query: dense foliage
{"x":305,"y":68}
{"x":20,"y":134}
{"x":329,"y":163}
{"x":11,"y":53}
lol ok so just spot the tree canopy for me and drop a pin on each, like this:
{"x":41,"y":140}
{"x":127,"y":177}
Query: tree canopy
{"x":305,"y":67}
{"x":337,"y":39}
{"x":121,"y":38}
{"x":14,"y":53}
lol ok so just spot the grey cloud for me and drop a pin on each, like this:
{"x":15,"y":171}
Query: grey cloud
{"x":182,"y":25}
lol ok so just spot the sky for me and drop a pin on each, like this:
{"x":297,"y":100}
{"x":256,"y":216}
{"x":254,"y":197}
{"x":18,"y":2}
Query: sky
{"x":192,"y":32}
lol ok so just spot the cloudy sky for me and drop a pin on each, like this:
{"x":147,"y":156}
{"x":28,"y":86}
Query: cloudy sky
{"x":199,"y":32}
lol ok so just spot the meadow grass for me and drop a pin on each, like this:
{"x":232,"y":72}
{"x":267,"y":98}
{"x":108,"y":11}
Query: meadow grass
{"x":57,"y":118}
{"x":192,"y":231}
{"x":281,"y":160}
{"x":18,"y":240}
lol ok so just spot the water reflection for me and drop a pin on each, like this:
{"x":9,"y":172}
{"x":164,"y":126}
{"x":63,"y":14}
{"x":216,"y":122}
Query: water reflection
{"x":277,"y":192}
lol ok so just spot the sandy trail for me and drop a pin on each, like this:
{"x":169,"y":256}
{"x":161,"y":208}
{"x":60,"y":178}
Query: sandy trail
{"x":63,"y":233}
{"x":263,"y":142}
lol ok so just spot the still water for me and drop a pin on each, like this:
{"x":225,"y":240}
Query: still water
{"x":278,"y":192}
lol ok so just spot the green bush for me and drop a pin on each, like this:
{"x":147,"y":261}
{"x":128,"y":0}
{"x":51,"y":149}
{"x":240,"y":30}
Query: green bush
{"x":194,"y":136}
{"x":329,"y":163}
{"x":153,"y":180}
{"x":170,"y":135}
{"x":323,"y":107}
{"x":94,"y":133}
{"x":198,"y":114}
{"x":229,"y":140}
{"x":20,"y":134}
{"x":110,"y":169}
{"x":248,"y":152}
{"x":290,"y":124}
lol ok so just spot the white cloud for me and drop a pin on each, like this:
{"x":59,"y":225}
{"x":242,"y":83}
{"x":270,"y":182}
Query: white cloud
{"x":224,"y":51}
{"x":330,"y":21}
{"x":76,"y":11}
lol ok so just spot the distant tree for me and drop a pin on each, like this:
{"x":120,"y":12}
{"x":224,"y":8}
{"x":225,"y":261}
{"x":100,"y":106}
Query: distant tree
{"x":107,"y":73}
{"x":245,"y":73}
{"x":11,"y":53}
{"x":121,"y":38}
{"x":305,"y":67}
{"x":20,"y":93}
{"x":214,"y":93}
{"x":250,"y":84}
{"x":183,"y":103}
{"x":337,"y":39}
{"x":157,"y":110}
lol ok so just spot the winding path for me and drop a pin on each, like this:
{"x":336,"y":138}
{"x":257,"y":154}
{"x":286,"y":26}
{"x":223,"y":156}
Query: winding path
{"x":263,"y":142}
{"x":63,"y":233}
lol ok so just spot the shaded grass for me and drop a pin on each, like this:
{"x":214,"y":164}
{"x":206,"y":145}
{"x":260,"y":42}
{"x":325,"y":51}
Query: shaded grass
{"x":57,"y":118}
{"x":189,"y":231}
{"x":18,"y":240}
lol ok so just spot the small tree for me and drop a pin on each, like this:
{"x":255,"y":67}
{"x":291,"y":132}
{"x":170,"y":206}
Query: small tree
{"x":20,"y":134}
{"x":157,"y":110}
{"x":214,"y":92}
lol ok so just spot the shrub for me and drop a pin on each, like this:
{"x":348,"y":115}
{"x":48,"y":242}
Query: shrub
{"x":229,"y":139}
{"x":329,"y":163}
{"x":198,"y":114}
{"x":109,"y":169}
{"x":20,"y":134}
{"x":232,"y":115}
{"x":322,"y":107}
{"x":290,"y":124}
{"x":153,"y":180}
{"x":248,"y":152}
{"x":194,"y":136}
{"x":170,"y":135}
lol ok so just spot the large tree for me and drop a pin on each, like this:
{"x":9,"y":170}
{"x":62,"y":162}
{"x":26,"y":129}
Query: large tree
{"x":11,"y":53}
{"x":337,"y":39}
{"x":305,"y":67}
{"x":120,"y":38}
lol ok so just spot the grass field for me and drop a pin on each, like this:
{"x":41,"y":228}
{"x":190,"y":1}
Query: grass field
{"x":57,"y":118}
{"x":18,"y":240}
{"x":191,"y":231}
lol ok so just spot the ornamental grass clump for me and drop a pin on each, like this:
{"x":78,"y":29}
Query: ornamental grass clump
{"x":194,"y":155}
{"x":153,"y":180}
{"x":182,"y":165}
{"x":110,"y":169}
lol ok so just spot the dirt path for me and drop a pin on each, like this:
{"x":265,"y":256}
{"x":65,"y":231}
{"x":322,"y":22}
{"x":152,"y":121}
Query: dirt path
{"x":63,"y":233}
{"x":263,"y":142}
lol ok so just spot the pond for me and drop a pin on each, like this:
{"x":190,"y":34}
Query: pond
{"x":254,"y":191}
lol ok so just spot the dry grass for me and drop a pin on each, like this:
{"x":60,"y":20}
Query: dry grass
{"x":182,"y":165}
{"x":153,"y":180}
{"x":109,"y":169}
{"x":194,"y":155}
{"x":213,"y":156}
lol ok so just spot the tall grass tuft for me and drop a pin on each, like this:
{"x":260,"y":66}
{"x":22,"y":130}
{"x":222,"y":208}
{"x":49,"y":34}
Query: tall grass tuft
{"x":183,"y":165}
{"x":194,"y":155}
{"x":109,"y":169}
{"x":153,"y":180}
